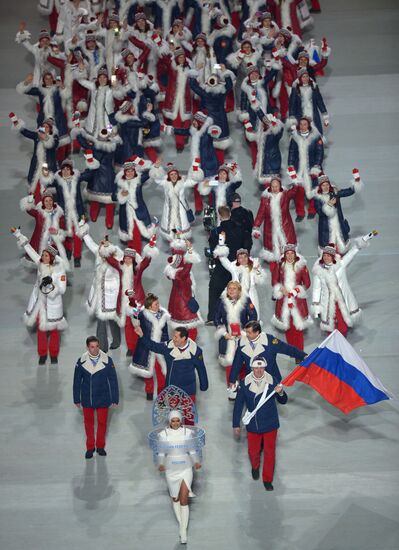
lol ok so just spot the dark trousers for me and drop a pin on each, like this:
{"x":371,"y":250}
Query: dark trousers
{"x":101,"y":334}
{"x":218,"y":281}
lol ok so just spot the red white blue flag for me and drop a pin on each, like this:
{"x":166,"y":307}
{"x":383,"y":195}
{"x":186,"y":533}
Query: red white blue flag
{"x":340,"y":375}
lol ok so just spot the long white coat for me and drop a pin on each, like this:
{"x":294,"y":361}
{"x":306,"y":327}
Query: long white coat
{"x":331,"y":287}
{"x":174,"y":213}
{"x":103,"y":297}
{"x":46,"y":308}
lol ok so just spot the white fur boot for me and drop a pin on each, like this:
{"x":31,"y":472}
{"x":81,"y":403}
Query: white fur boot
{"x":176,"y":509}
{"x":184,"y":514}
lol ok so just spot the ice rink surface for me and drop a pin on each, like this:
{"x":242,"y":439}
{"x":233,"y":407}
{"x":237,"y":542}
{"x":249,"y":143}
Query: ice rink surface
{"x":336,"y":482}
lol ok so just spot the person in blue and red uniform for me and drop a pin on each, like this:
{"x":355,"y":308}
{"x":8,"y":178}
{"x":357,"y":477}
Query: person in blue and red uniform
{"x":183,"y":358}
{"x":261,"y":420}
{"x":256,"y":343}
{"x":95,"y":390}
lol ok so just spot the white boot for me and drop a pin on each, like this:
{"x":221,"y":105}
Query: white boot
{"x":176,"y":509}
{"x":184,"y":514}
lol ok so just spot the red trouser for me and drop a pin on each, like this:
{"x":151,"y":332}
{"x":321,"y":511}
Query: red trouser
{"x":37,"y":194}
{"x":229,"y":103}
{"x":180,"y":140}
{"x":99,"y":439}
{"x":269,"y":452}
{"x":130,"y":336}
{"x":198,"y":202}
{"x":294,"y":336}
{"x":63,"y":152}
{"x":192,"y":333}
{"x":151,"y":153}
{"x":220,"y":156}
{"x":149,"y":382}
{"x":48,"y":341}
{"x":75,"y":244}
{"x":254,"y":152}
{"x":241,"y":375}
{"x":109,"y":213}
{"x":135,"y":241}
{"x":300,"y":203}
{"x":339,"y":321}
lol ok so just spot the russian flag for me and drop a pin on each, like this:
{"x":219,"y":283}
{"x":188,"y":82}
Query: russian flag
{"x":340,"y":375}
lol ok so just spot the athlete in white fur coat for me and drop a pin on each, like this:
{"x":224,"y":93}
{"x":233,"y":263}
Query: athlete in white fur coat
{"x":45,"y":306}
{"x":333,"y":300}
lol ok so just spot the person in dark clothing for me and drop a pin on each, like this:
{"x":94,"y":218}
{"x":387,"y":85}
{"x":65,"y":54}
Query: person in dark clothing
{"x":234,"y":238}
{"x":244,"y":218}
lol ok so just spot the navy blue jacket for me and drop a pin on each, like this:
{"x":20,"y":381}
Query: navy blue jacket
{"x":101,"y":181}
{"x":324,"y":228}
{"x":248,"y":313}
{"x":180,"y":371}
{"x":97,"y":387}
{"x":295,"y":106}
{"x":59,"y":115}
{"x":129,"y":132}
{"x":213,"y":103}
{"x":141,"y":355}
{"x":50,"y":153}
{"x":315,"y":153}
{"x":266,"y":419}
{"x":268,"y":347}
{"x":59,"y":198}
{"x":209,"y":161}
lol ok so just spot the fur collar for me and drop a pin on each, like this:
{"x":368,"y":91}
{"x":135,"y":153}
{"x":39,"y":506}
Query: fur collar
{"x":186,"y":354}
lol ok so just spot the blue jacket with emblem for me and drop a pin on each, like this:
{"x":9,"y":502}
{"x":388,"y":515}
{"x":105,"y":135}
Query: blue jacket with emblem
{"x":95,"y":386}
{"x":266,"y":419}
{"x":181,"y":365}
{"x":266,"y":346}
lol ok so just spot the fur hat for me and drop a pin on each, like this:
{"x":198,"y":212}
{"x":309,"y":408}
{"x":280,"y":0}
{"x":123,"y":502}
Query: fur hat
{"x":49,"y":121}
{"x":51,"y":250}
{"x":224,"y":167}
{"x":102,"y":70}
{"x":200,"y":36}
{"x":303,"y":53}
{"x":90,"y":36}
{"x":113,"y":16}
{"x":252,"y":69}
{"x":286,"y":33}
{"x":129,"y":166}
{"x":67,"y":163}
{"x":177,"y":52}
{"x":47,"y":193}
{"x":290,"y":248}
{"x":329,"y":249}
{"x":170,"y":167}
{"x":258,"y":362}
{"x":302,"y":71}
{"x":43,"y":34}
{"x":321,"y":179}
{"x":139,"y":15}
{"x":130,"y":252}
{"x":125,"y":52}
{"x":265,"y":15}
{"x":242,"y":251}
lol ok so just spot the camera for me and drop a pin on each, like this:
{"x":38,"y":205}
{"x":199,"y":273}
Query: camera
{"x":209,"y":220}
